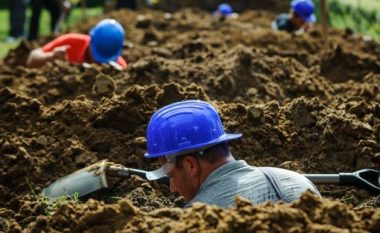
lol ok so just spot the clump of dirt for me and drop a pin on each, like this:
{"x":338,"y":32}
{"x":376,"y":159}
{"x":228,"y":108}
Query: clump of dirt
{"x":340,"y":66}
{"x":19,"y":55}
{"x":300,"y":105}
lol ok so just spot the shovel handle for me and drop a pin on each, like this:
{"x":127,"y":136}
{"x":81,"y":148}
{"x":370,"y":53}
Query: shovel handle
{"x":142,"y":174}
{"x":368,"y":179}
{"x":323,"y":178}
{"x":125,"y":172}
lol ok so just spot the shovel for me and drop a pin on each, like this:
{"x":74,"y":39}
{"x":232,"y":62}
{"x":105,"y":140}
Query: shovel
{"x":93,"y":177}
{"x":368,"y":179}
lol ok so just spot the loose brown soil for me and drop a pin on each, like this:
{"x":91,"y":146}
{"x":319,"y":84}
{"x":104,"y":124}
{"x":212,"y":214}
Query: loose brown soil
{"x":300,"y":105}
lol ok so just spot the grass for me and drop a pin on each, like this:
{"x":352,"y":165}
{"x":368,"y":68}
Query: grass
{"x":75,"y":17}
{"x":367,"y":5}
{"x":46,"y":206}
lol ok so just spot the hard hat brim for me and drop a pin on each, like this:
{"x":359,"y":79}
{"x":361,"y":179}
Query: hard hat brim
{"x":101,"y":59}
{"x":310,"y":19}
{"x":223,"y":138}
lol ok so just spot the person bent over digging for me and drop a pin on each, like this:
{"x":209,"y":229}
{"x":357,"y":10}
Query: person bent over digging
{"x":189,"y":140}
{"x":299,"y":20}
{"x":103,"y":45}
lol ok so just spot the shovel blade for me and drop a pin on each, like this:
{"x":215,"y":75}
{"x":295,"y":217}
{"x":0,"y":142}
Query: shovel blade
{"x":82,"y":182}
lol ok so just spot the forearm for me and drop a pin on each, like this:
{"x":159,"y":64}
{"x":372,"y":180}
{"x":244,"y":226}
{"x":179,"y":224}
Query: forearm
{"x":65,"y":5}
{"x":38,"y":58}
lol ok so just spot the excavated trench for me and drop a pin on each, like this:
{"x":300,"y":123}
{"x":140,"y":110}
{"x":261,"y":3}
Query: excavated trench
{"x":299,"y":104}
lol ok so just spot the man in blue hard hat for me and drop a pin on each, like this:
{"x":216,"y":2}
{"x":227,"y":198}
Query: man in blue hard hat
{"x":300,"y":18}
{"x":189,"y":140}
{"x":224,"y":11}
{"x":103,"y":45}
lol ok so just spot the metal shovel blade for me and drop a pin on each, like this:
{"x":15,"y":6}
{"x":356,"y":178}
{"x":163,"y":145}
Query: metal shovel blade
{"x":84,"y":181}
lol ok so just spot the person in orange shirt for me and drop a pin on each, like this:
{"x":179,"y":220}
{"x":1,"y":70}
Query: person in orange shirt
{"x":103,"y":45}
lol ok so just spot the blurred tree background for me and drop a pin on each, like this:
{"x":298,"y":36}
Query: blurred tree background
{"x":361,"y":16}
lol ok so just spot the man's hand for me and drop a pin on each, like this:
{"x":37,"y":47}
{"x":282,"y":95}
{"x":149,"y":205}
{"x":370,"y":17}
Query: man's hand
{"x":61,"y":52}
{"x":38,"y":57}
{"x":66,"y":6}
{"x":307,"y":26}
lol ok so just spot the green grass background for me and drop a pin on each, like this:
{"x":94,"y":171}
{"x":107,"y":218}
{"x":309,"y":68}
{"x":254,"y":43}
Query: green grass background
{"x":75,"y":17}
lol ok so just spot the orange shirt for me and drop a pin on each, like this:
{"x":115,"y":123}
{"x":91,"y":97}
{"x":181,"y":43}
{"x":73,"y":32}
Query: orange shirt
{"x":79,"y":44}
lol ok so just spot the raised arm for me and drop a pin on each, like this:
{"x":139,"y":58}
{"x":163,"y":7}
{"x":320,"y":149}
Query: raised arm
{"x":38,"y":57}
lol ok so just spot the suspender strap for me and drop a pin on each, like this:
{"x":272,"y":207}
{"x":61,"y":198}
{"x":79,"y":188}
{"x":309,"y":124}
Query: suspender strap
{"x":275,"y":182}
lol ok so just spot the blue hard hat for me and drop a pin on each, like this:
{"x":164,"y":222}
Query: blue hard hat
{"x":184,"y":127}
{"x":304,"y":9}
{"x":225,"y":9}
{"x":107,"y":39}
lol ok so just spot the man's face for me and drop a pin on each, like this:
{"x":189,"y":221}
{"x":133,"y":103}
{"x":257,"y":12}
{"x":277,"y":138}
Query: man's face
{"x":183,"y":179}
{"x":298,"y":22}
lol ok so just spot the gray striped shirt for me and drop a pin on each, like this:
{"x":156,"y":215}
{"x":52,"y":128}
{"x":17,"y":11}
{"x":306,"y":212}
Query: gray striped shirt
{"x":238,"y":178}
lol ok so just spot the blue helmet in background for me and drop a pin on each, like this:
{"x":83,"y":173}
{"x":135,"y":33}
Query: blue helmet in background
{"x":185,"y":127}
{"x":107,"y":39}
{"x":225,"y":9}
{"x":304,"y":9}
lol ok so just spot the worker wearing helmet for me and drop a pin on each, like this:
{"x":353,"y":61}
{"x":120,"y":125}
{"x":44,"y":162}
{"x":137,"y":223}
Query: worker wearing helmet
{"x":224,"y":11}
{"x":299,"y":19}
{"x":189,"y":140}
{"x":103,"y":45}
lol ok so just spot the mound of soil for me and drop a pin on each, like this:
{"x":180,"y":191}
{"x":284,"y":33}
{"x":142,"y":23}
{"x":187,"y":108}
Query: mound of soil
{"x":210,"y":5}
{"x":300,"y":105}
{"x":309,"y":214}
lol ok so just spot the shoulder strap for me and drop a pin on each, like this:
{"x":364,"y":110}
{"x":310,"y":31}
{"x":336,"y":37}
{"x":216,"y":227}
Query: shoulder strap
{"x":275,"y":182}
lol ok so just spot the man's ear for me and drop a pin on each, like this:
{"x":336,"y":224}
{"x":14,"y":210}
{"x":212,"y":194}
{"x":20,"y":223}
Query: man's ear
{"x":191,"y":165}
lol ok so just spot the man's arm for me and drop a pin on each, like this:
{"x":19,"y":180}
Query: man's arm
{"x":65,"y":5}
{"x":38,"y":57}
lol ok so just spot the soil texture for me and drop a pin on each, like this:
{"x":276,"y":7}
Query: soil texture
{"x":301,"y":104}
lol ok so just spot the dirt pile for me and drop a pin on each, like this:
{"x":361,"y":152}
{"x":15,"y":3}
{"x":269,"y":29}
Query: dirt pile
{"x":309,"y":214}
{"x":299,"y":106}
{"x":238,"y":6}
